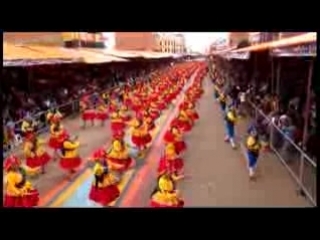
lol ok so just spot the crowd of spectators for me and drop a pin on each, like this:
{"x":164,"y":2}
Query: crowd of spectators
{"x":283,"y":107}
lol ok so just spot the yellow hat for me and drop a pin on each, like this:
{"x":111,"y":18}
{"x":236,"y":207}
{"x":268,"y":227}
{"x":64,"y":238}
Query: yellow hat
{"x":165,"y":183}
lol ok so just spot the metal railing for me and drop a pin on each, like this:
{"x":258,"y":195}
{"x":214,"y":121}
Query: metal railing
{"x":300,"y":166}
{"x":68,"y":110}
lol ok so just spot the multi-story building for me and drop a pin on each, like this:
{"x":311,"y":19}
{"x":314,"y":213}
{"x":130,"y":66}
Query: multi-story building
{"x":170,"y":43}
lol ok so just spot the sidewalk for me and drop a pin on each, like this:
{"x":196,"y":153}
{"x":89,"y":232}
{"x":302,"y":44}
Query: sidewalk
{"x":217,"y":175}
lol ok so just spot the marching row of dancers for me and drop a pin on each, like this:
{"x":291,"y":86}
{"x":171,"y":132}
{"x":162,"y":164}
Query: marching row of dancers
{"x":229,"y":113}
{"x":139,"y":109}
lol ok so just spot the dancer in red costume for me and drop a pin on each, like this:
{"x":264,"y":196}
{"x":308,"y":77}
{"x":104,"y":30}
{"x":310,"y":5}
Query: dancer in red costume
{"x":118,"y":156}
{"x":57,"y":135}
{"x":171,"y":163}
{"x":101,"y":114}
{"x":54,"y":116}
{"x":165,"y":195}
{"x":183,"y":122}
{"x":18,"y":191}
{"x":124,"y":114}
{"x":70,"y":159}
{"x":174,"y":136}
{"x":140,"y":135}
{"x":117,"y":123}
{"x":28,"y":128}
{"x":36,"y":156}
{"x":149,"y":120}
{"x":104,"y":189}
{"x":88,"y":113}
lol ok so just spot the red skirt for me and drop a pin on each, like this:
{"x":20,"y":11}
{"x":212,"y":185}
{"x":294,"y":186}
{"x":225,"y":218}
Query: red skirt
{"x":155,"y":204}
{"x":161,"y":106}
{"x":104,"y":196}
{"x":102,"y":116}
{"x":154,"y":115}
{"x":170,"y":166}
{"x":31,"y":199}
{"x":55,"y":143}
{"x":184,"y":126}
{"x":70,"y":163}
{"x":180,"y":146}
{"x":88,"y":116}
{"x":194,"y":116}
{"x":38,"y":161}
{"x":141,"y":141}
{"x":117,"y":126}
{"x":128,"y":102}
{"x":124,"y":164}
{"x":99,"y":154}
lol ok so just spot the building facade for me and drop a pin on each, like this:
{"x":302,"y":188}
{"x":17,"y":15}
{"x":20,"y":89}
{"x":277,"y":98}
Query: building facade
{"x":170,"y":43}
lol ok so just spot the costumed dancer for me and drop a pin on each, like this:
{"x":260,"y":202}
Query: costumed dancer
{"x":101,"y":114}
{"x":222,"y":101}
{"x":171,"y":163}
{"x":104,"y":189}
{"x":124,"y":114}
{"x":28,"y":128}
{"x":191,"y":112}
{"x":148,"y":120}
{"x":53,"y":116}
{"x":70,"y":159}
{"x":117,"y":123}
{"x":57,"y":135}
{"x":36,"y":156}
{"x":182,"y":122}
{"x":88,"y":113}
{"x":18,"y":191}
{"x":118,"y":156}
{"x":230,"y":121}
{"x":140,"y":135}
{"x":165,"y":195}
{"x":253,"y":149}
{"x":154,"y":112}
{"x":174,"y":136}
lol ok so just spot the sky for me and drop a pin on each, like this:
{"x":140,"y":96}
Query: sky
{"x":199,"y":41}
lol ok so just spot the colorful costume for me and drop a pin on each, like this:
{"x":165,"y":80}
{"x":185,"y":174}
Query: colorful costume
{"x":27,"y":129}
{"x":165,"y":195}
{"x":230,"y":121}
{"x":88,"y":114}
{"x":70,"y":159}
{"x":36,"y":156}
{"x":57,"y":135}
{"x":104,"y":189}
{"x":117,"y":124}
{"x":140,"y":135}
{"x":118,"y":157}
{"x":123,"y":113}
{"x":18,"y":191}
{"x":171,"y":163}
{"x":174,"y":136}
{"x":182,"y":122}
{"x":54,"y":117}
{"x":101,"y":114}
{"x":253,"y":148}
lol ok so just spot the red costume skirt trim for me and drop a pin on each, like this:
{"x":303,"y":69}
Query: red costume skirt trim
{"x":98,"y":154}
{"x":104,"y":196}
{"x":170,"y":166}
{"x":125,"y":164}
{"x":88,"y":116}
{"x":29,"y":136}
{"x":194,"y":116}
{"x":154,"y":115}
{"x":161,"y":106}
{"x":117,"y":126}
{"x":70,"y":163}
{"x":31,"y":199}
{"x":38,"y":161}
{"x":55,"y":143}
{"x":141,"y":141}
{"x":102,"y":116}
{"x":155,"y":204}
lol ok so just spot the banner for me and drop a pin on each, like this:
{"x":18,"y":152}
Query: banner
{"x":301,"y":50}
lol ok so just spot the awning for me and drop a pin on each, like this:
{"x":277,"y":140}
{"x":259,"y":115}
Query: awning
{"x":21,"y":55}
{"x":132,"y":54}
{"x":286,"y":42}
{"x":95,"y":57}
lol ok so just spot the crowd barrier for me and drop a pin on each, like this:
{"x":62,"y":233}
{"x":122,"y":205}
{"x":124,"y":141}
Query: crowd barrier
{"x":68,"y":110}
{"x":300,"y":166}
